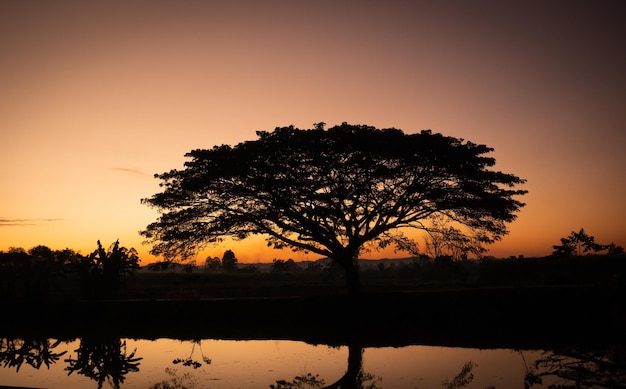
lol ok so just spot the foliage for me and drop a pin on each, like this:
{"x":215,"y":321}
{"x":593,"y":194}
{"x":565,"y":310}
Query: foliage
{"x":102,"y":271}
{"x":445,"y":240}
{"x":280,"y":265}
{"x":334,"y":192}
{"x":213,"y":264}
{"x":229,"y":261}
{"x":578,"y":243}
{"x":32,"y":274}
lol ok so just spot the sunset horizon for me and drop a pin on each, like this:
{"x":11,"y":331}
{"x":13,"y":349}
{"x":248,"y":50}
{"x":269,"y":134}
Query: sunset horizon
{"x":98,"y":98}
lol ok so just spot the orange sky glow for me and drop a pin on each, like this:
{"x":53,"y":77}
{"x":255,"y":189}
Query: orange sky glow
{"x":96,"y":97}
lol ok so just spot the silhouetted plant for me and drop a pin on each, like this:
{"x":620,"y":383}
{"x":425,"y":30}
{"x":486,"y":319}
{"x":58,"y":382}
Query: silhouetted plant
{"x":33,"y":352}
{"x":213,"y":264}
{"x":613,"y":249}
{"x":229,"y":261}
{"x":578,"y":243}
{"x":103,"y":359}
{"x":102,"y":271}
{"x":30,"y":274}
{"x":282,"y":266}
{"x":14,"y":272}
{"x":603,"y":368}
{"x":334,"y":192}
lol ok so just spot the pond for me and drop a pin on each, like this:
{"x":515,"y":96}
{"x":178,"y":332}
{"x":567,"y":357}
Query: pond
{"x":102,"y":362}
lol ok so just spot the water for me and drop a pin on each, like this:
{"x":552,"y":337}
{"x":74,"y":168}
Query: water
{"x":218,"y":363}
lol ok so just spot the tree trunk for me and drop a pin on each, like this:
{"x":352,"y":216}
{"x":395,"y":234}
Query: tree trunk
{"x":350,"y":265}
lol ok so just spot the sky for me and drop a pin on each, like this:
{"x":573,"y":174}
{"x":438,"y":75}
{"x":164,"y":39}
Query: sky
{"x":97,"y":97}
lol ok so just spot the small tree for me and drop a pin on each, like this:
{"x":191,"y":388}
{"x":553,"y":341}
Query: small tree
{"x":334,"y":192}
{"x":613,"y":249}
{"x":102,"y":271}
{"x":281,"y":266}
{"x":213,"y":263}
{"x":577,"y":243}
{"x":229,"y":261}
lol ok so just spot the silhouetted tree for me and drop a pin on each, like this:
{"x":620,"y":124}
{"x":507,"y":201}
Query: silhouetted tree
{"x":42,"y":254}
{"x":213,"y":263}
{"x":229,"y":261}
{"x":281,"y":266}
{"x":332,"y":192}
{"x":102,"y":271}
{"x":613,"y":249}
{"x":577,"y":243}
{"x":27,"y":274}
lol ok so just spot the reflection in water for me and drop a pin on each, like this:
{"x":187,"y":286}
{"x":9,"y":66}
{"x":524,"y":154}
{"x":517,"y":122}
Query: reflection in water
{"x":189,"y":361}
{"x":603,"y":368}
{"x":260,"y":363}
{"x":354,"y":377}
{"x":174,"y":381}
{"x":33,"y":352}
{"x":464,"y":378}
{"x":103,"y":359}
{"x":362,"y":380}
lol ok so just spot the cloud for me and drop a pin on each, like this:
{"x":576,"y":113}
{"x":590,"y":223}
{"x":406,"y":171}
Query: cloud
{"x":131,"y":171}
{"x":7,"y":222}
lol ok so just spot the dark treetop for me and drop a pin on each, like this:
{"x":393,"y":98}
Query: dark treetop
{"x":333,"y":192}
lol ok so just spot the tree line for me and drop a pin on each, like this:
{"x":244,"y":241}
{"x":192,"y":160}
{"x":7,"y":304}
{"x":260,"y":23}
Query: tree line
{"x":37,"y":272}
{"x":107,"y":273}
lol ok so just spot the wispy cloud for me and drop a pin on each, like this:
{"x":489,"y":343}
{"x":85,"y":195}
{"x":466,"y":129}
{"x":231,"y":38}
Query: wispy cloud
{"x":8,"y":222}
{"x":130,"y":171}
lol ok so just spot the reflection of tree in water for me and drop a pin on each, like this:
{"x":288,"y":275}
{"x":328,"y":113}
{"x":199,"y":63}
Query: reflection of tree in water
{"x":103,"y":359}
{"x":33,"y":352}
{"x":354,"y":377}
{"x":464,"y":378}
{"x":189,"y":361}
{"x":603,"y":368}
{"x":186,"y":381}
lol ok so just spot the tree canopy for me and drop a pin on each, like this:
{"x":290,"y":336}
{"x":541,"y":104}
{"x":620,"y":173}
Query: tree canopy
{"x":334,"y":192}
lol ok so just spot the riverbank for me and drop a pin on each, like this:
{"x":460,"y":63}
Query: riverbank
{"x":502,"y":317}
